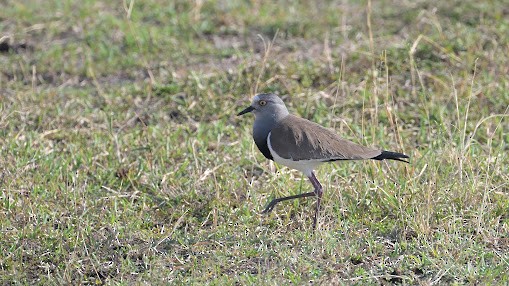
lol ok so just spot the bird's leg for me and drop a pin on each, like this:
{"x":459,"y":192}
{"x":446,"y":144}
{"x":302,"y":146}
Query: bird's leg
{"x":318,"y":192}
{"x":272,"y":203}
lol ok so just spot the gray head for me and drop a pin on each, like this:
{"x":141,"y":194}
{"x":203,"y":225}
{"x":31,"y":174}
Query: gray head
{"x":268,"y":109}
{"x":266,"y":105}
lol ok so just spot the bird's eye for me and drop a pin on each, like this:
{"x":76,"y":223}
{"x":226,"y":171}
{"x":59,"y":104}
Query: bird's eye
{"x":262,"y":102}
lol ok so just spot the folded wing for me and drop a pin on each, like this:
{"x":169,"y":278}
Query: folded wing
{"x":298,"y":139}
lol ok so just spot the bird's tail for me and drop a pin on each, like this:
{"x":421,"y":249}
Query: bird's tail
{"x":391,"y":156}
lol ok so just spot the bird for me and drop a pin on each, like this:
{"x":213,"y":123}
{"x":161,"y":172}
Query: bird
{"x":303,"y":145}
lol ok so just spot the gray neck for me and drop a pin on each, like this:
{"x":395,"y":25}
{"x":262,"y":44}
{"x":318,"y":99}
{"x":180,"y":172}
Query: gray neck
{"x":261,"y":128}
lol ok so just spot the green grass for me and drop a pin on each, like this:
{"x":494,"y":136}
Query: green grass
{"x":122,"y":160}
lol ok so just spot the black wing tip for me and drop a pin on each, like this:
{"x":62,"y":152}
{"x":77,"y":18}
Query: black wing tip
{"x":391,"y":156}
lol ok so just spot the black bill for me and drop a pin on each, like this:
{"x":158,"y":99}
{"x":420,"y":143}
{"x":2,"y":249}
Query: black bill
{"x":247,"y":110}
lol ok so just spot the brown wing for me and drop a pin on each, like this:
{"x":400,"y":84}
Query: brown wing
{"x":300,"y":139}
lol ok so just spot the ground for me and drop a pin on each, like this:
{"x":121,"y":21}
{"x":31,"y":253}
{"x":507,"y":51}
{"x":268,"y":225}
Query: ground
{"x":122,"y":160}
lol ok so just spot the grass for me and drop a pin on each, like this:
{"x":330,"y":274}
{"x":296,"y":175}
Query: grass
{"x":123,"y":161}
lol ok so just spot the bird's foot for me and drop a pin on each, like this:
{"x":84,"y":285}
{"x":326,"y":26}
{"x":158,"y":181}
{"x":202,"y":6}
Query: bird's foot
{"x":270,"y":206}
